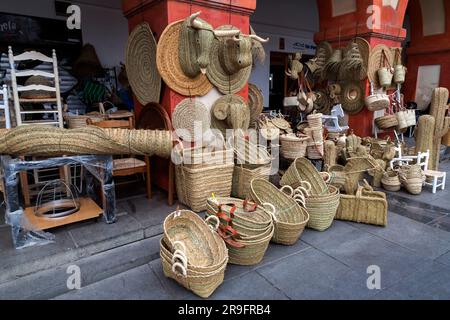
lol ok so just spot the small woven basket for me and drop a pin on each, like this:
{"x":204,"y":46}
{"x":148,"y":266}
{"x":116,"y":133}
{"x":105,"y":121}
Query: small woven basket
{"x":412,"y":178}
{"x":391,"y":182}
{"x":290,"y":218}
{"x":293,"y":147}
{"x":244,"y":174}
{"x":322,"y":209}
{"x":387,"y":122}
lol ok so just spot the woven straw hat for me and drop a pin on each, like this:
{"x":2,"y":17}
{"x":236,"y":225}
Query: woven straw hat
{"x":225,"y":83}
{"x":375,"y":60}
{"x":188,"y":114}
{"x":352,"y":97}
{"x":140,"y":61}
{"x":168,"y":63}
{"x":331,"y":69}
{"x":38,"y":94}
{"x":87,"y":64}
{"x":230,"y":112}
{"x":255,"y":103}
{"x":323,"y":53}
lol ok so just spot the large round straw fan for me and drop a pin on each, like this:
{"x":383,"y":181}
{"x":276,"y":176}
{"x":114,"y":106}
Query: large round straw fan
{"x":191,"y":119}
{"x":255,"y":103}
{"x":225,"y":83}
{"x":375,"y":62}
{"x":140,"y":62}
{"x":352,"y":97}
{"x":168,"y":63}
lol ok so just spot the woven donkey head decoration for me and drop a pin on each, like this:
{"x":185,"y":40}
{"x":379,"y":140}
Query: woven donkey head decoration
{"x":235,"y":52}
{"x":196,"y":37}
{"x":295,"y":66}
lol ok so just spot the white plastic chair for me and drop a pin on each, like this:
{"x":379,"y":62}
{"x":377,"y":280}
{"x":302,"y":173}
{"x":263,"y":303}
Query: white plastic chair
{"x":4,"y":105}
{"x":438,"y":178}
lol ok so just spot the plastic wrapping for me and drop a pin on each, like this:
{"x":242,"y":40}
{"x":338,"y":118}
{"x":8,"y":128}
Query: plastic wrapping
{"x":99,"y":167}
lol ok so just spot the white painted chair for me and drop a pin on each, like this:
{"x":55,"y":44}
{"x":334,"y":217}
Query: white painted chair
{"x":437,"y":178}
{"x":400,"y":159}
{"x":33,"y":55}
{"x":4,"y":105}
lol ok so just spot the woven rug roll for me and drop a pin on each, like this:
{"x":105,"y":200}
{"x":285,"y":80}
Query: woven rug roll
{"x":140,"y":61}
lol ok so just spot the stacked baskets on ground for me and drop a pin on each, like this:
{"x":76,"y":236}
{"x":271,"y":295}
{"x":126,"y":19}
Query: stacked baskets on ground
{"x":390,"y":181}
{"x":289,"y":217}
{"x":201,"y":173}
{"x":251,"y":161}
{"x":192,"y":253}
{"x":292,"y":146}
{"x":315,"y":148}
{"x":248,"y":226}
{"x":322,"y":201}
{"x":412,"y":178}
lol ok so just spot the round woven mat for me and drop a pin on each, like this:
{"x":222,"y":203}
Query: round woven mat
{"x":140,"y":62}
{"x":168,"y":63}
{"x":323,"y":102}
{"x":375,"y":59}
{"x":255,"y":103}
{"x":153,"y":117}
{"x":189,"y":114}
{"x":226,"y":84}
{"x":352,"y":97}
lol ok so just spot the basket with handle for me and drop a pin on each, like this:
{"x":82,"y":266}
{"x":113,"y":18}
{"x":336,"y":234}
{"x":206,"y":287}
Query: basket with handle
{"x":385,"y":73}
{"x":388,"y":121}
{"x":293,"y":146}
{"x":192,"y":252}
{"x":244,"y":174}
{"x":391,"y":181}
{"x":303,"y":170}
{"x":367,"y":206}
{"x":412,"y":178}
{"x":290,"y":219}
{"x":399,"y":69}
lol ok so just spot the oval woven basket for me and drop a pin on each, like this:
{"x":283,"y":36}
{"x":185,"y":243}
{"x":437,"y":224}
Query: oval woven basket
{"x":315,"y":151}
{"x":386,"y":122}
{"x":412,"y":178}
{"x":244,"y":174}
{"x":290,"y":218}
{"x":391,"y":182}
{"x":293,"y":147}
{"x":322,"y":209}
{"x":303,"y":170}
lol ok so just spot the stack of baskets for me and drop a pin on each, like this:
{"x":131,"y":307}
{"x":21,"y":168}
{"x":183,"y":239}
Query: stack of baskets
{"x":192,"y":253}
{"x":314,"y":131}
{"x":412,"y":178}
{"x":293,"y":146}
{"x":200,"y":172}
{"x":252,"y":225}
{"x":251,"y":161}
{"x":322,"y":201}
{"x":290,"y":219}
{"x":391,"y":181}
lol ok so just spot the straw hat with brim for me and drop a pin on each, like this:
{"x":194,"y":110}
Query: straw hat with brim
{"x":225,"y":83}
{"x":140,"y":61}
{"x":191,"y":120}
{"x":233,"y":111}
{"x":38,"y":94}
{"x":352,"y":98}
{"x":375,"y":63}
{"x":88,"y":64}
{"x":168,"y":63}
{"x":255,"y":103}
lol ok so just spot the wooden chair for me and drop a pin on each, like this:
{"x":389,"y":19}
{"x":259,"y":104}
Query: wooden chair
{"x":431,"y":175}
{"x":127,"y":166}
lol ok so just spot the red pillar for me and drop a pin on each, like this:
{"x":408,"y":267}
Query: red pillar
{"x":426,"y":50}
{"x":341,"y":29}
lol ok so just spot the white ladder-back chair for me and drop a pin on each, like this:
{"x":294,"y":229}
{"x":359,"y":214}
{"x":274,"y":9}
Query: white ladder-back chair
{"x":4,"y":105}
{"x":437,"y":178}
{"x":33,"y":55}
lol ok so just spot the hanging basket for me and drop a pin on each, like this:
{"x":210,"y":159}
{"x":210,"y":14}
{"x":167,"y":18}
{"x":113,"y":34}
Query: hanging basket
{"x":386,"y":122}
{"x":385,"y":77}
{"x":399,"y":74}
{"x":402,"y":120}
{"x":377,"y":102}
{"x":411,"y":117}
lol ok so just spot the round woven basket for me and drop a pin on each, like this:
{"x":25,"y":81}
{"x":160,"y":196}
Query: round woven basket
{"x":322,"y":209}
{"x":140,"y":62}
{"x":352,"y":98}
{"x":281,"y":123}
{"x":225,"y":83}
{"x":412,"y":178}
{"x":303,"y":170}
{"x":355,"y":63}
{"x":315,"y":151}
{"x":38,"y":94}
{"x":391,"y":182}
{"x":293,"y":147}
{"x":289,"y":217}
{"x":375,"y":63}
{"x":255,"y":103}
{"x":386,"y":122}
{"x":168,"y":63}
{"x":188,"y":115}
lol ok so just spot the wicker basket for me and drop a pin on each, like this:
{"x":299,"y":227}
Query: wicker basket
{"x":315,"y":120}
{"x":244,"y":174}
{"x":315,"y":134}
{"x":244,"y":218}
{"x":195,"y":185}
{"x":293,"y":147}
{"x":322,"y":209}
{"x":315,"y":151}
{"x":412,"y":178}
{"x":192,"y":253}
{"x":367,"y":206}
{"x":303,"y":170}
{"x":391,"y":182}
{"x":80,"y":121}
{"x":386,"y":122}
{"x":290,"y":218}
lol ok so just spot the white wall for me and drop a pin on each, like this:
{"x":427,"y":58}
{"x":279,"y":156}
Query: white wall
{"x":295,"y":20}
{"x":104,"y":27}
